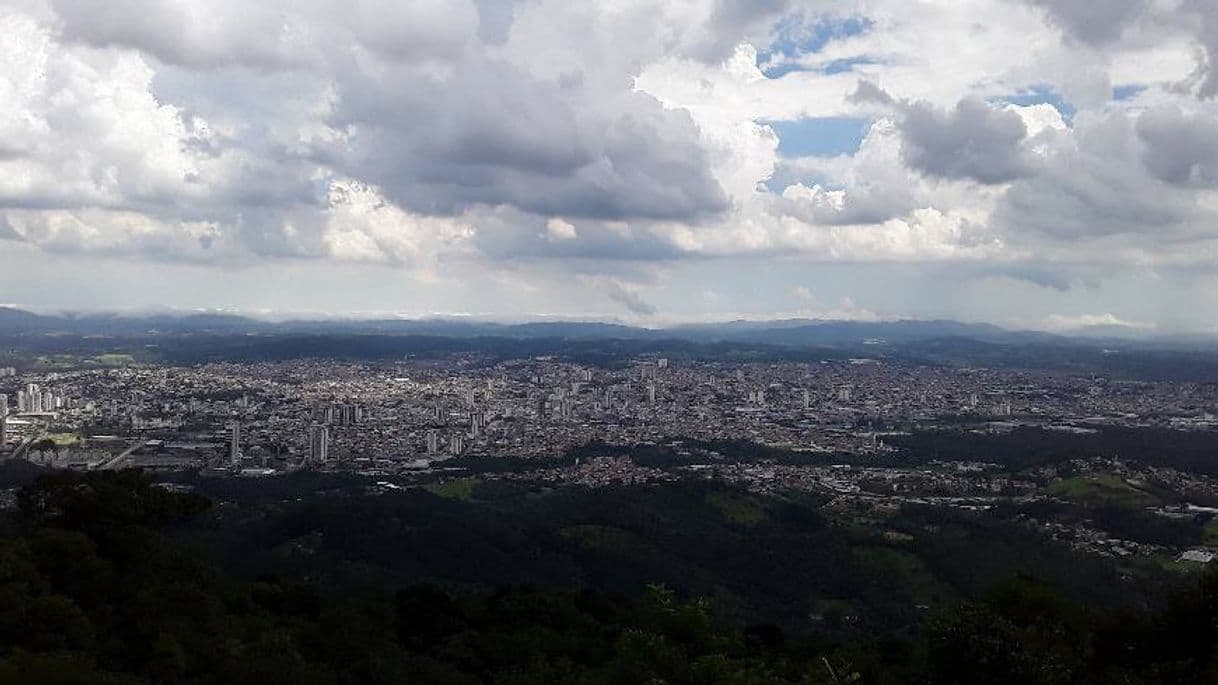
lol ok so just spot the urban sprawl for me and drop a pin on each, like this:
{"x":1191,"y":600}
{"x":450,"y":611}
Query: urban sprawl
{"x":410,"y":419}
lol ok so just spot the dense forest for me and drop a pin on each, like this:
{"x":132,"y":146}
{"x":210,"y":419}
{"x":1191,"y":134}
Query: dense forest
{"x":104,"y":579}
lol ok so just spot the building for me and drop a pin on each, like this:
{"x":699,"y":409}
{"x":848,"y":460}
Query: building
{"x":433,"y":441}
{"x":234,"y":448}
{"x":319,"y":443}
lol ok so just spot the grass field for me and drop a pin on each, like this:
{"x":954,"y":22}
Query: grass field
{"x":457,"y":488}
{"x":64,"y":439}
{"x":740,"y":509}
{"x":71,"y":361}
{"x":1102,"y":490}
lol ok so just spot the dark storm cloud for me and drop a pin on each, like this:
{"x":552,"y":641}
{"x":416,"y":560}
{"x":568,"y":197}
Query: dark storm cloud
{"x":973,"y":140}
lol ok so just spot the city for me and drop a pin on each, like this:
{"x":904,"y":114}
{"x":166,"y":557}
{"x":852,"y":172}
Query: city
{"x":413,"y":423}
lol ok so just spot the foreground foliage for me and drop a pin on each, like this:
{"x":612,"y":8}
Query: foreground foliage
{"x":95,"y":589}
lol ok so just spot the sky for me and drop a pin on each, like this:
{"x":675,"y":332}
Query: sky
{"x":1045,"y":164}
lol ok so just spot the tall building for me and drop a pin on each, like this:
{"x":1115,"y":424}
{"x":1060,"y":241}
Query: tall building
{"x":234,"y":448}
{"x":3,"y":419}
{"x":319,"y":443}
{"x":433,"y":441}
{"x":807,"y":399}
{"x":456,"y":445}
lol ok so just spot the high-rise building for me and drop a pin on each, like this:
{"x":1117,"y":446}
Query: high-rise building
{"x":807,"y":399}
{"x":651,"y":393}
{"x":433,"y":441}
{"x":234,"y":448}
{"x":456,"y":445}
{"x":319,"y":443}
{"x":3,"y":419}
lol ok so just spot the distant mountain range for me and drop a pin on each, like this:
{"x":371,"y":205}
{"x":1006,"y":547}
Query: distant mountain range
{"x":786,"y":332}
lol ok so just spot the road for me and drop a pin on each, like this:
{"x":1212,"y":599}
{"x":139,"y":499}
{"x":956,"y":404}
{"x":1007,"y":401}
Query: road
{"x":24,"y":447}
{"x":116,"y":462}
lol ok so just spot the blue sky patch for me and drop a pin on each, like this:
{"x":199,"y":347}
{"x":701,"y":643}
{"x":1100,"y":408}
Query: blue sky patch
{"x":822,"y":137}
{"x":795,"y":38}
{"x":1127,"y":91}
{"x":839,"y":66}
{"x":1041,"y":95}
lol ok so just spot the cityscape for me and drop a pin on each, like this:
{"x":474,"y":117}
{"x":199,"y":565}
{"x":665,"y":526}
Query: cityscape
{"x":609,"y":342}
{"x":412,"y":423}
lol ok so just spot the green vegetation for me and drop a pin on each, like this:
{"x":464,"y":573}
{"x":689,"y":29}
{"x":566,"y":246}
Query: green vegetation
{"x":114,"y":359}
{"x":904,"y":573}
{"x":96,"y":586}
{"x":57,"y":362}
{"x":1104,"y":489}
{"x":738,"y":507}
{"x":455,"y":488}
{"x":64,"y":439}
{"x":1209,"y":535}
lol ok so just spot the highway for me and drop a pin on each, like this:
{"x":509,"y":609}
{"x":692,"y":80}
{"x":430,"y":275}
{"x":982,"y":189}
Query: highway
{"x":116,"y":462}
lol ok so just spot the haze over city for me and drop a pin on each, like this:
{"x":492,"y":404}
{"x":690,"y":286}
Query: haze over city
{"x":1040,"y":164}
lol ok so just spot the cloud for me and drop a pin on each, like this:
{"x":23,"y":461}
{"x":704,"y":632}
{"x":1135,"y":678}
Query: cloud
{"x":557,"y":229}
{"x":1097,"y":22}
{"x":451,"y":139}
{"x":1094,"y":183}
{"x":1181,"y":149}
{"x":628,"y":296}
{"x":1082,"y":322}
{"x":972,"y":140}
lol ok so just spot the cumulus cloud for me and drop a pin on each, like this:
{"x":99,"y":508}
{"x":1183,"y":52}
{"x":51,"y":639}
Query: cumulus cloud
{"x":597,"y":138}
{"x":557,"y":229}
{"x":1096,"y":22}
{"x":1094,"y":183}
{"x":972,"y":140}
{"x":1181,"y":149}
